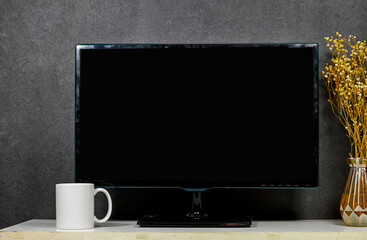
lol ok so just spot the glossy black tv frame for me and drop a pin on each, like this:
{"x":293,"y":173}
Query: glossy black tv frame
{"x":196,"y":217}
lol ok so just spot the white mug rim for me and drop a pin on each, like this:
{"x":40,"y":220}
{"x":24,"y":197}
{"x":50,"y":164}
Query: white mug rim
{"x":73,"y":184}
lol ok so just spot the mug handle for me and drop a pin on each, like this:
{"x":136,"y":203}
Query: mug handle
{"x":109,"y":211}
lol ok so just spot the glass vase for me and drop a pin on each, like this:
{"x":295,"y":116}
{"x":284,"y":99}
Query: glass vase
{"x":353,"y":204}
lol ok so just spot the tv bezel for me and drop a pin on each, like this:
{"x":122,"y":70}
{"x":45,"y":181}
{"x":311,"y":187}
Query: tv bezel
{"x":105,"y":184}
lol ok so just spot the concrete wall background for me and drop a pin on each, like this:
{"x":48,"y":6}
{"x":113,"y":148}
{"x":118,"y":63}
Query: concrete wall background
{"x":37,"y":40}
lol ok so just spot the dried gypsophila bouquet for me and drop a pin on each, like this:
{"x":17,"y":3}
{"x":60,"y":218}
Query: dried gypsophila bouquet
{"x":345,"y":79}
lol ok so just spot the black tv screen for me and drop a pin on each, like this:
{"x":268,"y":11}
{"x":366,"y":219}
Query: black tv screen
{"x":197,"y":115}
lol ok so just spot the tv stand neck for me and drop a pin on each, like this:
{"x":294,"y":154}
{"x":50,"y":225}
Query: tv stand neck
{"x":197,"y":205}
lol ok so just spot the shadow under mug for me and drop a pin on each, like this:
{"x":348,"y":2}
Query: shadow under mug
{"x":75,"y":206}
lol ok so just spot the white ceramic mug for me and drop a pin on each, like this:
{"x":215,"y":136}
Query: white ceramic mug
{"x":75,"y":206}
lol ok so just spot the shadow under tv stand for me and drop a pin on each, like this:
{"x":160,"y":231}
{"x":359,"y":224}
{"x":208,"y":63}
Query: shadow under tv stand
{"x":196,"y":218}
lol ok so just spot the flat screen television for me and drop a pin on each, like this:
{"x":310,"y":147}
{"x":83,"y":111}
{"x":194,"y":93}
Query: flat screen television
{"x":197,"y":116}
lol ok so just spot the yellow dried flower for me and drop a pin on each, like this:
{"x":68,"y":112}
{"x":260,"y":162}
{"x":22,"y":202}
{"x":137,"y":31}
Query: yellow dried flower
{"x":345,"y":79}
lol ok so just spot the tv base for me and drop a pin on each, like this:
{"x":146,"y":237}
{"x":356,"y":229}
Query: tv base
{"x":188,"y":221}
{"x":196,"y":218}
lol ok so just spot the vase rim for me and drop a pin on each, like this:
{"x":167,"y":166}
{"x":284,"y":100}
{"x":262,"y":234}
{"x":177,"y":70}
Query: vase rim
{"x":357,"y":162}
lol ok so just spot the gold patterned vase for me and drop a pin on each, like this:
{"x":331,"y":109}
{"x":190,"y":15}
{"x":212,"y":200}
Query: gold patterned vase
{"x":353,"y":204}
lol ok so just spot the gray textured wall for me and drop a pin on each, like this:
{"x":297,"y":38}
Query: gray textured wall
{"x":37,"y":40}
